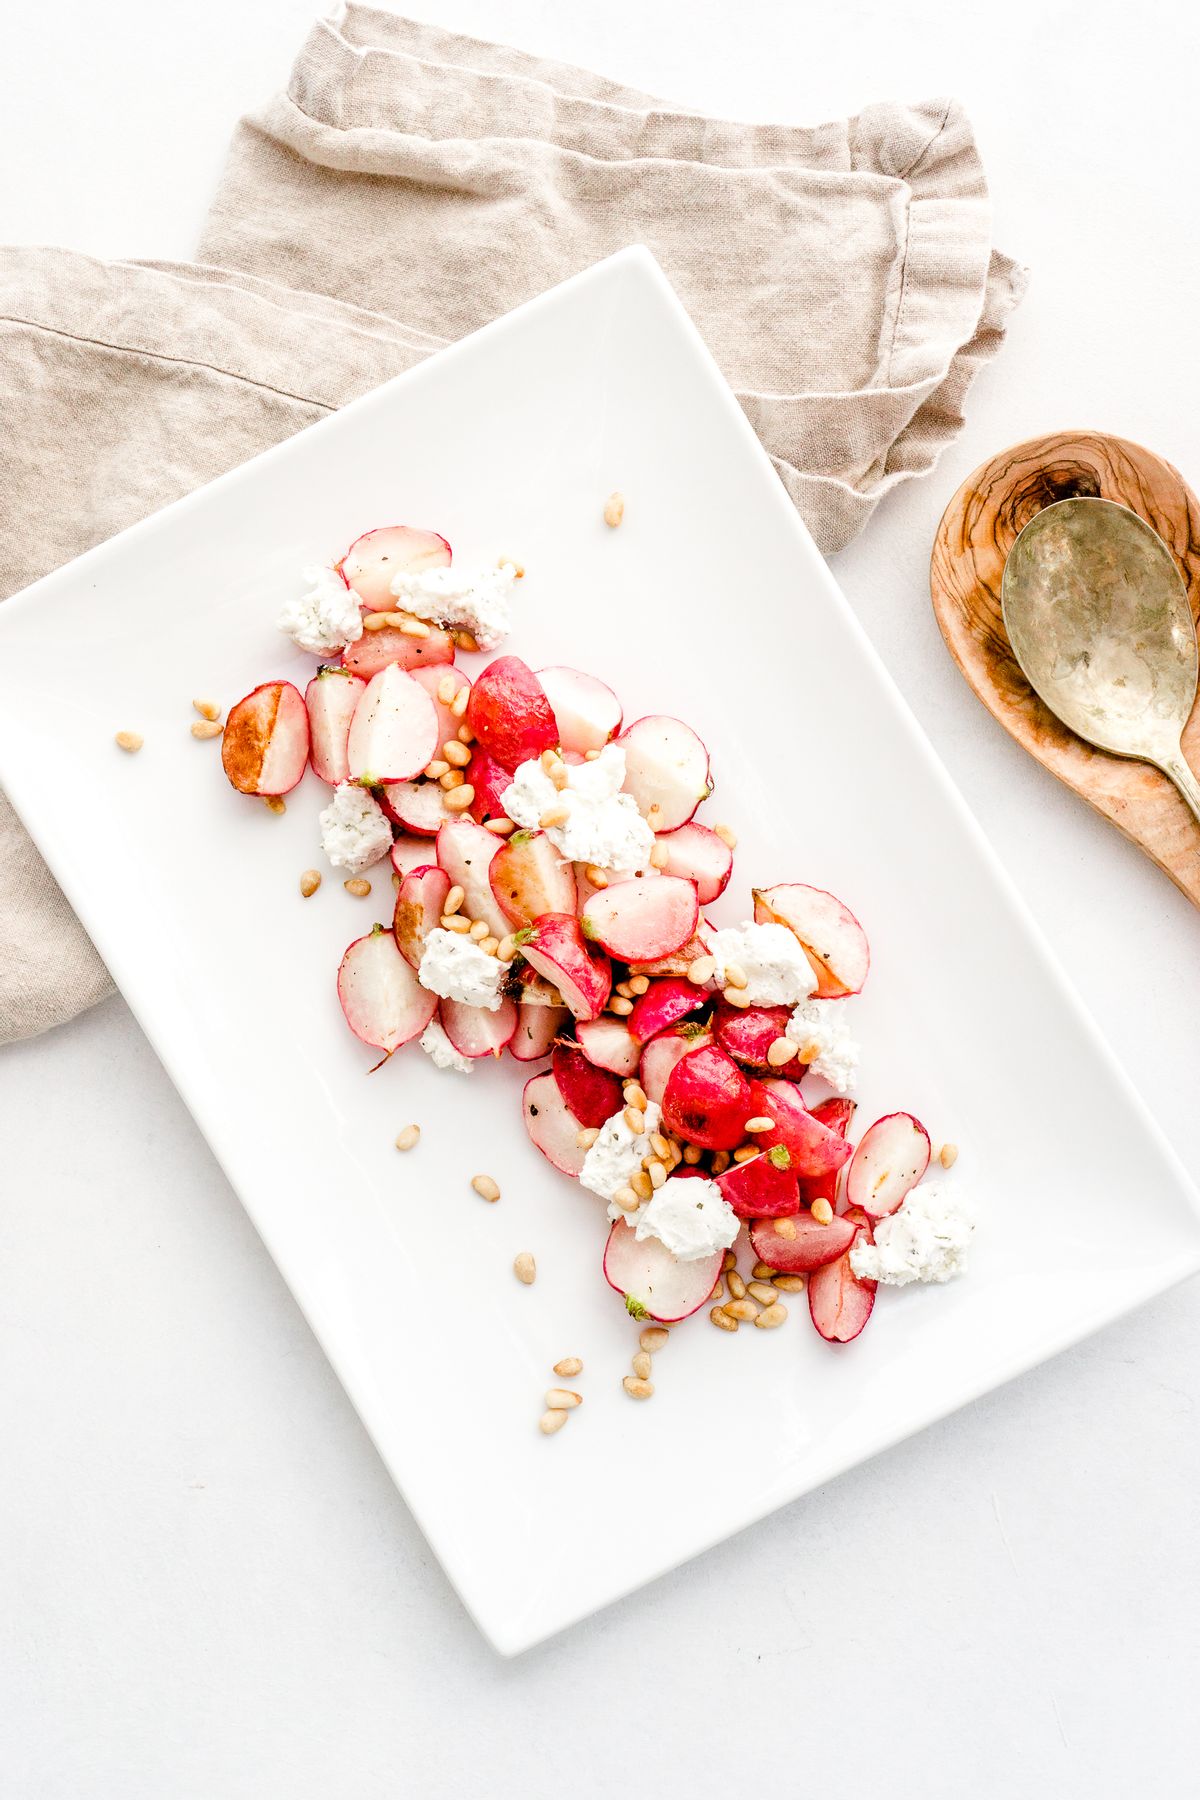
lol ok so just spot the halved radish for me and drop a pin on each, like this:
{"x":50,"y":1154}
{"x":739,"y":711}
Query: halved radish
{"x":331,"y":697}
{"x":537,"y":1028}
{"x":418,"y":806}
{"x":384,"y":1003}
{"x":431,"y":677}
{"x":839,"y":1301}
{"x":653,"y":1283}
{"x":420,"y":903}
{"x":608,"y":1042}
{"x":640,"y":919}
{"x":409,"y":853}
{"x":890,"y":1160}
{"x":592,"y":1094}
{"x":680,"y":961}
{"x":762,"y":1187}
{"x":465,"y":850}
{"x":529,"y":878}
{"x":474,"y":1031}
{"x":394,"y":732}
{"x":838,"y":1113}
{"x":834,"y":941}
{"x":376,"y":650}
{"x":666,"y":768}
{"x":797,"y":1244}
{"x":664,"y":1004}
{"x":535,"y":990}
{"x":557,"y":950}
{"x":662,"y":1053}
{"x":373,"y":559}
{"x":551,"y":1124}
{"x":586,"y":712}
{"x":813,"y":1147}
{"x":748,"y":1032}
{"x":264,"y":748}
{"x":509,"y":713}
{"x":699,"y":855}
{"x":490,"y":781}
{"x":707,"y":1099}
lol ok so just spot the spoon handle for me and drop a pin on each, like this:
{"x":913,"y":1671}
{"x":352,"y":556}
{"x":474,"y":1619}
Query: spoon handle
{"x":1176,"y":767}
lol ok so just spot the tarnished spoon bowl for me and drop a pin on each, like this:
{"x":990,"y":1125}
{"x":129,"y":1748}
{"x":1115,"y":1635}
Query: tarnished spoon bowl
{"x":1098,"y":618}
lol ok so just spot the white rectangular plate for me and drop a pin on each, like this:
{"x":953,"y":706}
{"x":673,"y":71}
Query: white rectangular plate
{"x":711,"y":602}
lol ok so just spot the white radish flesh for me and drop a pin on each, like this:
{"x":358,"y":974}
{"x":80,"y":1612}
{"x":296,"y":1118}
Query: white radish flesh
{"x":394,"y":730}
{"x":639,"y":921}
{"x":586,"y":711}
{"x":652,"y":1281}
{"x":666,"y":768}
{"x":529,"y":877}
{"x":374,"y":560}
{"x":537,"y":1028}
{"x":551,"y":1124}
{"x":609,"y":1043}
{"x":699,"y":855}
{"x":465,"y":850}
{"x":888,"y":1163}
{"x":384,"y":1003}
{"x":418,"y":806}
{"x":264,"y":747}
{"x":833,"y":940}
{"x":419,"y":907}
{"x":331,"y":698}
{"x":474,"y":1031}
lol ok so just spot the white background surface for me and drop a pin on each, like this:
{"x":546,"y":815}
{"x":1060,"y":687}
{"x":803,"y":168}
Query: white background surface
{"x":208,"y":1586}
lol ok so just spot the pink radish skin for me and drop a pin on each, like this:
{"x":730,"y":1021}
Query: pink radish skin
{"x":833,"y":940}
{"x":586,"y":712}
{"x":664,"y":1004}
{"x":491,"y":782}
{"x":331,"y":697}
{"x":551,"y":1124}
{"x":510,"y":714}
{"x":813,"y":1148}
{"x":418,"y":806}
{"x":707,"y":1099}
{"x":393,"y":733}
{"x":747,"y":1033}
{"x":810,"y":1245}
{"x":431,"y":676}
{"x":376,"y":650}
{"x":838,"y":1114}
{"x":699,"y":855}
{"x":680,"y":962}
{"x":839,"y":1301}
{"x":608,"y":1042}
{"x":375,"y":558}
{"x":384,"y":1003}
{"x":420,"y":903}
{"x":264,"y":747}
{"x":409,"y":853}
{"x":666,"y":766}
{"x":890,"y":1160}
{"x":634,"y":920}
{"x":651,"y":1281}
{"x":660,"y":1056}
{"x":529,"y":878}
{"x":592,"y":1094}
{"x":474,"y":1031}
{"x":763,"y":1187}
{"x":537,"y":1028}
{"x":558,"y":951}
{"x":465,"y":850}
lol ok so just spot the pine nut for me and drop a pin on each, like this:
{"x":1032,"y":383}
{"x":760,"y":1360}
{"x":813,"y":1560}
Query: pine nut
{"x":657,"y":1172}
{"x":447,"y":687}
{"x":460,"y":799}
{"x":660,"y":856}
{"x":129,"y":740}
{"x":622,"y":1008}
{"x":456,"y":753}
{"x":692,"y":1154}
{"x":635,"y":1118}
{"x":653,"y":812}
{"x":208,"y":709}
{"x":458,"y":705}
{"x":636,"y":1388}
{"x":729,"y":1260}
{"x":653,"y":1338}
{"x":465,"y":640}
{"x":641,"y":1364}
{"x":501,"y":827}
{"x":736,"y":997}
{"x":452,"y":778}
{"x":596,"y":876}
{"x":701,"y":971}
{"x":550,"y":1422}
{"x":745,"y":1153}
{"x":310,"y":881}
{"x":626,"y":1199}
{"x":789,"y":1284}
{"x":780,"y":1052}
{"x":479,"y":930}
{"x":735,"y":976}
{"x":720,"y":1161}
{"x":409,"y":1138}
{"x":761,"y":1290}
{"x":623,"y":988}
{"x":524,"y":1268}
{"x":641,"y":1184}
{"x":553,"y":815}
{"x":760,"y":1122}
{"x":489,"y":945}
{"x":454,"y":900}
{"x":414,"y":628}
{"x":948,"y":1155}
{"x":762,"y":1271}
{"x":549,"y":759}
{"x":741,"y":1309}
{"x":275,"y":803}
{"x":718,"y":1292}
{"x":614,"y":509}
{"x":639,"y":984}
{"x":822,"y":1212}
{"x":358,"y":887}
{"x":771,"y":1316}
{"x":591,"y":755}
{"x":396,"y":882}
{"x":436,"y":769}
{"x":456,"y":922}
{"x":204,"y":729}
{"x":570,"y":1365}
{"x":785,"y":1228}
{"x":722,"y":1320}
{"x":559,"y":776}
{"x":727,"y":837}
{"x":375,"y":621}
{"x":808,"y":1053}
{"x":562,"y":1399}
{"x":465,"y":735}
{"x":506,"y":949}
{"x":635,"y":1096}
{"x":485,"y":1187}
{"x":659,"y":1145}
{"x":737,"y":1286}
{"x":586,"y":1138}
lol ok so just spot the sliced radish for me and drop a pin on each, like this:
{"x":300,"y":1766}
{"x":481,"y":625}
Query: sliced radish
{"x":331,"y":697}
{"x":409,"y":853}
{"x":586,"y":712}
{"x":418,"y":806}
{"x":509,"y":713}
{"x":537,"y":1028}
{"x":664,"y":1004}
{"x":653,"y":1283}
{"x":838,"y":1113}
{"x":431,"y":677}
{"x":813,"y":1147}
{"x":662,"y":1053}
{"x":890,"y":1160}
{"x":608,"y":1042}
{"x":490,"y":782}
{"x":376,"y":650}
{"x":529,"y":878}
{"x":679,"y":962}
{"x":551,"y":1124}
{"x":558,"y":950}
{"x":762,"y":1187}
{"x":640,"y":919}
{"x":474,"y":1031}
{"x":707,"y":1099}
{"x":264,"y":748}
{"x":747,"y":1033}
{"x":393,"y":733}
{"x":666,"y":768}
{"x":420,"y":903}
{"x":535,"y":991}
{"x":465,"y":850}
{"x":384,"y":1003}
{"x":592,"y":1094}
{"x":834,"y":941}
{"x":375,"y":558}
{"x":839,"y":1301}
{"x":797,"y":1244}
{"x":699,"y":855}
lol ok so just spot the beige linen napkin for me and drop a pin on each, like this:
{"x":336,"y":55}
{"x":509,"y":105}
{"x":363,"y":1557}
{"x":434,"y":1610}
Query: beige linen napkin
{"x":411,"y":184}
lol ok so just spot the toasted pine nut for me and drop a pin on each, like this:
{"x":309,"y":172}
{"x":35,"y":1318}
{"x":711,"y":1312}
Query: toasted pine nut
{"x":596,"y":876}
{"x":456,"y":922}
{"x":626,"y":1199}
{"x":737,"y":1286}
{"x":822,"y":1212}
{"x":727,"y":837}
{"x":586,"y":1138}
{"x":451,"y":778}
{"x":948,"y":1155}
{"x":414,"y":628}
{"x":559,"y":776}
{"x":762,"y":1271}
{"x":549,"y":759}
{"x":409,"y":1137}
{"x":636,"y":1388}
{"x":396,"y":882}
{"x":780,"y":1052}
{"x":511,"y":562}
{"x":761,"y":1290}
{"x":524,"y":1268}
{"x":789,"y":1284}
{"x":465,"y":735}
{"x":702,"y":970}
{"x":623,"y":988}
{"x":375,"y":621}
{"x":771,"y":1316}
{"x":310,"y":881}
{"x":562,"y":1399}
{"x":641,"y":1364}
{"x":501,"y":827}
{"x":454,"y":900}
{"x":456,"y":753}
{"x":614,"y":509}
{"x":718,"y":1292}
{"x":657,"y":1171}
{"x":741,"y":1309}
{"x":553,"y":815}
{"x":720,"y":1161}
{"x":809,"y":1052}
{"x":635,"y":1118}
{"x":458,"y":705}
{"x":460,"y":798}
{"x":447,"y":687}
{"x":744,"y":1152}
{"x":786,"y":1228}
{"x":208,"y":709}
{"x":358,"y":887}
{"x":735,"y":976}
{"x":639,"y":984}
{"x":653,"y":1338}
{"x":721,"y":1319}
{"x":622,"y":1008}
{"x":485,"y":1187}
{"x":590,"y":755}
{"x":760,"y":1122}
{"x":729,"y":1260}
{"x":204,"y":728}
{"x":641,"y":1184}
{"x":436,"y":769}
{"x":489,"y":945}
{"x":635,"y":1095}
{"x":275,"y":803}
{"x":465,"y":640}
{"x":129,"y":740}
{"x":479,"y":930}
{"x":570,"y":1365}
{"x":550,"y":1422}
{"x":692,"y":1154}
{"x":659,"y":1145}
{"x":506,"y":949}
{"x":736,"y":997}
{"x":660,"y":856}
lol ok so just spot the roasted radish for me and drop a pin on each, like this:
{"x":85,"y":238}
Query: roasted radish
{"x":796,"y":1244}
{"x":608,"y":1042}
{"x":557,"y":949}
{"x":529,"y":878}
{"x":384,"y":1003}
{"x":699,"y":855}
{"x":376,"y":650}
{"x":465,"y":850}
{"x":664,"y":1004}
{"x":377,"y":557}
{"x":393,"y":733}
{"x":890,"y":1160}
{"x":834,"y":941}
{"x":418,"y":806}
{"x":476,"y":1031}
{"x":264,"y":748}
{"x":509,"y":713}
{"x":331,"y":698}
{"x":839,"y":1301}
{"x":420,"y":902}
{"x":586,"y":712}
{"x":551,"y":1124}
{"x":592,"y":1094}
{"x":662,"y":1053}
{"x":707,"y":1099}
{"x":653,"y":1283}
{"x":747,"y":1033}
{"x":763,"y":1187}
{"x":537,"y":1028}
{"x":666,"y":770}
{"x":643,"y":919}
{"x":813,"y":1147}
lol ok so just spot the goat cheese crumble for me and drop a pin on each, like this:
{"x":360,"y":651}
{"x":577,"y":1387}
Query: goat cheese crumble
{"x":818,"y":1028}
{"x":354,"y":829}
{"x":616,"y":1155}
{"x":441,"y":1051}
{"x":691,"y":1217}
{"x":772,"y":959}
{"x":454,"y":966}
{"x":603,"y":825}
{"x":326,"y":618}
{"x":926,"y":1240}
{"x":474,"y":600}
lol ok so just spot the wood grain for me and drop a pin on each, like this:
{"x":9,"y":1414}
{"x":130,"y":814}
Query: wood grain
{"x":969,"y":552}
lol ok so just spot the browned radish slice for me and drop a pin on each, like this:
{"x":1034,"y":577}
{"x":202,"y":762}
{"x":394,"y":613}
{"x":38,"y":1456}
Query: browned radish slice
{"x":666,"y":767}
{"x":474,"y":1031}
{"x":707,"y":1099}
{"x":747,"y":1033}
{"x":653,"y":1283}
{"x":662,"y":1053}
{"x":838,"y":1113}
{"x":890,"y":1160}
{"x":509,"y":713}
{"x":557,"y":950}
{"x":699,"y":855}
{"x":762,"y":1187}
{"x":465,"y":850}
{"x":331,"y":697}
{"x":431,"y":677}
{"x":798,"y":1244}
{"x":420,"y":902}
{"x":664,"y":1004}
{"x":834,"y":941}
{"x":608,"y":1042}
{"x":813,"y":1147}
{"x":530,"y":878}
{"x":393,"y":733}
{"x":375,"y":558}
{"x":551,"y":1124}
{"x":639,"y":920}
{"x":586,"y":712}
{"x":375,"y":650}
{"x":839,"y":1301}
{"x":489,"y":783}
{"x":418,"y":806}
{"x":384,"y":1003}
{"x":537,"y":1028}
{"x":264,"y":749}
{"x":592,"y":1094}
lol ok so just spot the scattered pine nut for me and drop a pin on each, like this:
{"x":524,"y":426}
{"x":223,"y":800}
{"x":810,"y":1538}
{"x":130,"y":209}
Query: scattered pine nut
{"x":636,"y":1388}
{"x":208,"y":709}
{"x":701,"y":971}
{"x":762,"y":1271}
{"x":456,"y":922}
{"x":458,"y":705}
{"x":450,"y":778}
{"x":641,"y":1364}
{"x":635,"y":1118}
{"x":789,"y":1284}
{"x":525,"y":1268}
{"x":657,"y":1172}
{"x":722,"y":1320}
{"x":456,"y":753}
{"x":559,"y":776}
{"x":761,"y":1290}
{"x":821,"y":1211}
{"x":562,"y":1400}
{"x":436,"y":769}
{"x":948,"y":1155}
{"x":745,"y":1152}
{"x":489,"y":945}
{"x":635,"y":1095}
{"x":622,"y":1008}
{"x":720,"y":1163}
{"x":591,"y":755}
{"x":786,"y":1227}
{"x":692,"y":1154}
{"x":396,"y":881}
{"x":375,"y":621}
{"x":274,"y":803}
{"x":626,"y":1199}
{"x":506,"y":949}
{"x":310,"y":881}
{"x":596,"y":876}
{"x":623,"y":988}
{"x":741,"y":1309}
{"x":465,"y":640}
{"x":129,"y":740}
{"x":358,"y":887}
{"x":586,"y":1138}
{"x":485,"y":1187}
{"x":771,"y":1316}
{"x":414,"y":628}
{"x":729,"y":1260}
{"x":780,"y":1052}
{"x":518,"y":568}
{"x":447,"y":687}
{"x":660,"y":1146}
{"x":479,"y":930}
{"x":760,"y":1122}
{"x":570,"y":1365}
{"x":727,"y":837}
{"x":737,"y":1286}
{"x":639,"y":984}
{"x":809,"y":1052}
{"x":454,"y":900}
{"x":614,"y":509}
{"x":641,"y":1184}
{"x":737,"y":996}
{"x":409,"y":1138}
{"x":460,"y":799}
{"x":465,"y":735}
{"x":549,"y":759}
{"x":553,"y":815}
{"x":550,"y":1422}
{"x":653,"y":1338}
{"x":660,"y":856}
{"x":718,"y":1292}
{"x":501,"y":827}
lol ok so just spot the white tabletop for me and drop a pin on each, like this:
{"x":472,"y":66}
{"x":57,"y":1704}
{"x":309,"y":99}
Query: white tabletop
{"x":208,"y":1586}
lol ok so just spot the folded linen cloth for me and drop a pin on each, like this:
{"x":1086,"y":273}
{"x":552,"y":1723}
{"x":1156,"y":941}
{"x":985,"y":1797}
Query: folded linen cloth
{"x":411,"y":184}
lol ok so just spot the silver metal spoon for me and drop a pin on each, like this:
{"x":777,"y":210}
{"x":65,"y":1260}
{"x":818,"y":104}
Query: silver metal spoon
{"x":1098,"y":618}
